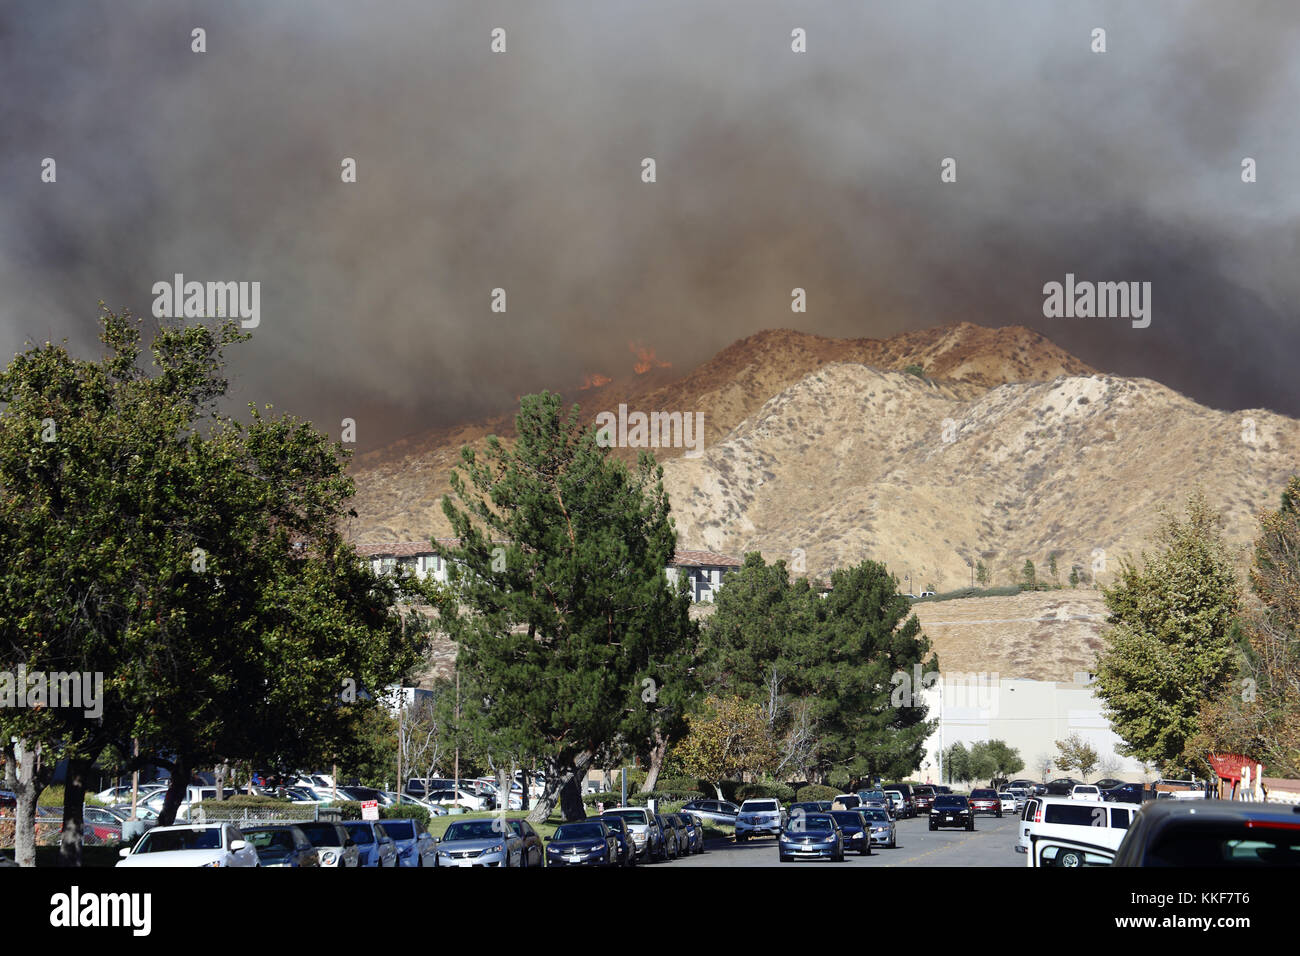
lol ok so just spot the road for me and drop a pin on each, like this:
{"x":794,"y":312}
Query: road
{"x":990,"y":845}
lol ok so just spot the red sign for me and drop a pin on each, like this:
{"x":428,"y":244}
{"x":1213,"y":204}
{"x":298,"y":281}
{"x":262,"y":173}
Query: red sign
{"x":369,"y":809}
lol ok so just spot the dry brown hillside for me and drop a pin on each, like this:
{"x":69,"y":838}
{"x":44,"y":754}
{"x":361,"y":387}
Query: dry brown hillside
{"x":854,"y":462}
{"x":399,"y":487}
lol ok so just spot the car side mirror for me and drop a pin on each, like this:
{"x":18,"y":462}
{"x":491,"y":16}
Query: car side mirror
{"x":124,"y":852}
{"x":238,"y":844}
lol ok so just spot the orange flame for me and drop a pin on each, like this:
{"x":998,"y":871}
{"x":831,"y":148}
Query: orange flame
{"x":645,"y":358}
{"x":594,"y":380}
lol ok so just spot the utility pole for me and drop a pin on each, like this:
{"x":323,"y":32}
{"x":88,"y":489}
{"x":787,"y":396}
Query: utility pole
{"x":401,"y":739}
{"x":456,"y":772}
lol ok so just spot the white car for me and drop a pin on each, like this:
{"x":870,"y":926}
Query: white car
{"x":123,"y":794}
{"x":1086,"y":791}
{"x":406,"y":800}
{"x":460,"y":798}
{"x":1008,"y":801}
{"x":215,"y":844}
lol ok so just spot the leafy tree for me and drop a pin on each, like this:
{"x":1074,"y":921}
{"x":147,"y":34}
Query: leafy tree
{"x":1170,"y":643}
{"x":1075,"y":753}
{"x":194,"y":562}
{"x":981,"y":764}
{"x":1074,"y":576}
{"x":1006,"y":759}
{"x":956,"y":763}
{"x":917,"y":370}
{"x":1051,"y":568}
{"x":728,"y":738}
{"x":1258,"y":712}
{"x":982,"y":573}
{"x":559,"y":603}
{"x":1028,"y":576}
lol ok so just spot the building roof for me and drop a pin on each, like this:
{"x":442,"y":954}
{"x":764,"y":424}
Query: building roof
{"x":414,"y":549}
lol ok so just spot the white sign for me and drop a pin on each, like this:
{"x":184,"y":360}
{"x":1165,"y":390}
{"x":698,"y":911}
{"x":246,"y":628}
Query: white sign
{"x":369,"y":809}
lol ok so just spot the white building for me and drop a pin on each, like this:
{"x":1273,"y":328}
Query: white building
{"x":1028,"y":715}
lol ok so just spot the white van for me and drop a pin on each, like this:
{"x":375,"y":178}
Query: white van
{"x":1083,"y":824}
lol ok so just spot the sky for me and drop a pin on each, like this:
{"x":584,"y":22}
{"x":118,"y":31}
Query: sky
{"x":775,"y":170}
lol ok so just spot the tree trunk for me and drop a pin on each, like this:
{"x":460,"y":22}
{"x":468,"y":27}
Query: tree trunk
{"x":657,"y":754}
{"x":176,"y":790}
{"x":29,"y":780}
{"x":571,"y":807}
{"x":72,"y":838}
{"x":559,"y":779}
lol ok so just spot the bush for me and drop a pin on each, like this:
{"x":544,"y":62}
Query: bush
{"x":350,"y":809}
{"x":406,"y":812}
{"x":816,"y":791}
{"x":241,"y":800}
{"x":769,"y":788}
{"x":729,"y":788}
{"x":53,"y":797}
{"x":606,"y":797}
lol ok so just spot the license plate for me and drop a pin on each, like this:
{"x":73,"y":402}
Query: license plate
{"x":465,"y":863}
{"x":574,"y":859}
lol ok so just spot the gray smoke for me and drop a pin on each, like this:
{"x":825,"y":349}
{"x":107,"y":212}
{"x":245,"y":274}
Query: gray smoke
{"x":775,"y":170}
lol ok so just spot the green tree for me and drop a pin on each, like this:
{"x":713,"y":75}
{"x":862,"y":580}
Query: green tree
{"x":981,"y":764}
{"x":1075,"y":753}
{"x":1170,"y":643}
{"x":1006,"y":759}
{"x":1074,"y":576}
{"x":194,"y":562}
{"x":1052,"y":570}
{"x":956,"y":764}
{"x":570,"y":636}
{"x":982,"y":573}
{"x":1258,"y":711}
{"x":1028,"y":576}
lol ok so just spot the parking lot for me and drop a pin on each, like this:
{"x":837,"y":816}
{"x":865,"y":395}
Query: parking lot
{"x":991,"y":844}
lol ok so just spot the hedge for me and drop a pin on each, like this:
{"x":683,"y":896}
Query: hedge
{"x":816,"y":791}
{"x":406,"y":812}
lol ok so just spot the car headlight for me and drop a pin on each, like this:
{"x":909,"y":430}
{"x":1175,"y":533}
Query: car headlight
{"x":494,"y":849}
{"x":213,"y":863}
{"x":596,"y":847}
{"x":328,"y":858}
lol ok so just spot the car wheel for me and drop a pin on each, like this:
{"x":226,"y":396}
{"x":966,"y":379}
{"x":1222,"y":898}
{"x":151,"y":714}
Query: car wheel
{"x":893,"y":841}
{"x":933,"y":828}
{"x":1070,"y":858}
{"x":999,"y":814}
{"x":866,"y":848}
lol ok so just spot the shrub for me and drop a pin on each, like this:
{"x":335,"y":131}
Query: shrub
{"x":606,"y":797}
{"x":816,"y":791}
{"x":350,"y":809}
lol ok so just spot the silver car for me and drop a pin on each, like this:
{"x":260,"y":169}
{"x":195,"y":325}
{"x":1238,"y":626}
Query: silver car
{"x":480,"y":843}
{"x":761,"y":816}
{"x":884,"y":831}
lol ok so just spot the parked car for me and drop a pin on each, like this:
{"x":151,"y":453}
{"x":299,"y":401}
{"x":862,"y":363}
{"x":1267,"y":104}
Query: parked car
{"x":1061,"y":787}
{"x":464,"y":799}
{"x":481,"y":843}
{"x":1008,"y":801}
{"x":818,"y":836}
{"x":376,"y":847}
{"x":846,"y":801}
{"x":101,"y":826}
{"x":416,"y":846}
{"x":673,"y":837}
{"x":1213,"y":833}
{"x":214,"y":844}
{"x":856,"y":830}
{"x":336,"y":848}
{"x":1126,"y":793}
{"x":923,"y":795}
{"x":693,"y":833}
{"x":645,"y":834}
{"x":1074,"y":829}
{"x":282,"y":846}
{"x":588,"y":843}
{"x":985,"y":801}
{"x":532,"y":852}
{"x":760,"y":816}
{"x":909,"y":798}
{"x":897,"y":803}
{"x":1085,"y":791}
{"x":884,"y":831}
{"x":435,"y":809}
{"x":626,"y":847}
{"x":952,"y":810}
{"x":714,"y":811}
{"x":1107,"y":783}
{"x":123,"y":794}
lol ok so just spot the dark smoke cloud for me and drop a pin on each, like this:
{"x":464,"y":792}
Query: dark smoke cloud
{"x":775,"y":170}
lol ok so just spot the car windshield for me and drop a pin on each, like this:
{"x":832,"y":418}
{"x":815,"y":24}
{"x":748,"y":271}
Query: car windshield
{"x":616,"y":823}
{"x":949,"y":803}
{"x":847,"y":818}
{"x":471,"y":830}
{"x":321,"y":834}
{"x":760,"y":806}
{"x":400,"y":830}
{"x":813,"y":821}
{"x":876,"y":816}
{"x":361,"y":834}
{"x":270,"y":841}
{"x":635,"y":817}
{"x":579,"y":831}
{"x":982,"y":794}
{"x":167,"y":841}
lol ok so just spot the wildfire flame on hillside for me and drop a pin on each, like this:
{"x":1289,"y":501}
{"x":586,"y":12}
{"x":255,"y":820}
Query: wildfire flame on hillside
{"x":645,"y":358}
{"x":594,"y":380}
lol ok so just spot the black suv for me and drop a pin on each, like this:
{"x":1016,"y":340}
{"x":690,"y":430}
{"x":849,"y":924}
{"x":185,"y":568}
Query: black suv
{"x":949,"y":810}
